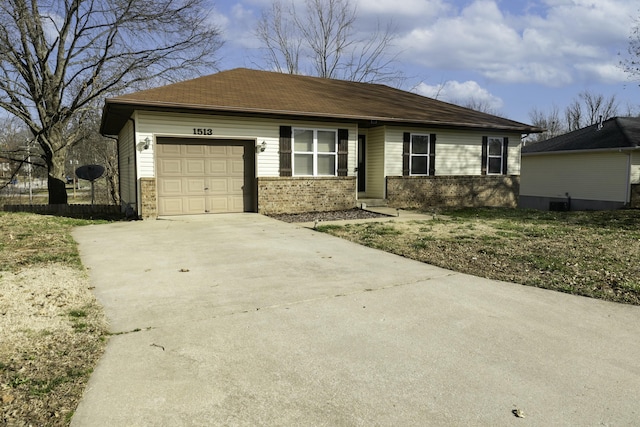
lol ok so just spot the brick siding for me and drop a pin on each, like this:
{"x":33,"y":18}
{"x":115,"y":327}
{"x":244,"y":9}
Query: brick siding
{"x":418,"y":192}
{"x":298,"y":194}
{"x":149,"y":198}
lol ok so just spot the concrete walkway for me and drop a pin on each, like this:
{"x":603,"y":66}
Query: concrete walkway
{"x":244,"y":320}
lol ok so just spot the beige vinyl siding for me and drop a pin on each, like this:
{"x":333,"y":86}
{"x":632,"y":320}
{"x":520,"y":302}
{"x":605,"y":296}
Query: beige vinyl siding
{"x":457,"y":152}
{"x":126,"y":153}
{"x":635,"y":167}
{"x":393,"y":151}
{"x":586,"y":176}
{"x":375,"y":163}
{"x":267,"y":130}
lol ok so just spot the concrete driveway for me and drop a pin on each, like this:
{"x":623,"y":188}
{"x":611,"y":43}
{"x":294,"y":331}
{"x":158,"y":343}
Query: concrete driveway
{"x":244,"y":320}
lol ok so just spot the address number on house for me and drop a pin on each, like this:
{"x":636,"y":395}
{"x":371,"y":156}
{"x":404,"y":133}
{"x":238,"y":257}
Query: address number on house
{"x":202,"y":131}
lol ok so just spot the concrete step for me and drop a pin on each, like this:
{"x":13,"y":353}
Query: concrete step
{"x":364,"y":203}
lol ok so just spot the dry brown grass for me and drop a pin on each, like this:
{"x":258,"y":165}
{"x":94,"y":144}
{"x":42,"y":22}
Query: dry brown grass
{"x":592,"y":254}
{"x":53,"y":331}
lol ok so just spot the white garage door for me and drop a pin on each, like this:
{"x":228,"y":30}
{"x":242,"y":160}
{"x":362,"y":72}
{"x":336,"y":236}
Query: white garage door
{"x":198,"y":178}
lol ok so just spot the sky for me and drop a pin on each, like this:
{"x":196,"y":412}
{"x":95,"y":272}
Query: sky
{"x":511,"y":55}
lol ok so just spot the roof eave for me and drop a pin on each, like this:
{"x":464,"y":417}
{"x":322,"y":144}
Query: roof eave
{"x":583,"y":151}
{"x":136,"y":104}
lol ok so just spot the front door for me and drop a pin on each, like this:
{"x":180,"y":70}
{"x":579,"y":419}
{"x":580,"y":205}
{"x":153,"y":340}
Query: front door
{"x":362,"y":183}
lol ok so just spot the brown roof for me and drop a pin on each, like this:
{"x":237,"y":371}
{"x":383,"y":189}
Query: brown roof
{"x":262,"y":93}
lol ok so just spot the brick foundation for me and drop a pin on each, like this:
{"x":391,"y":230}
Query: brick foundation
{"x":297,"y":194}
{"x":149,"y":198}
{"x":418,"y":192}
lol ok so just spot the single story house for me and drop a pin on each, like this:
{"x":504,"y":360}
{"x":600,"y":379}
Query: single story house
{"x":255,"y":141}
{"x":597,"y":167}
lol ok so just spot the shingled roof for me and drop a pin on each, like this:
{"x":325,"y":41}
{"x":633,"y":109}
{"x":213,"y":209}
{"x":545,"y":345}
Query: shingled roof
{"x":614,"y":134}
{"x":243,"y":91}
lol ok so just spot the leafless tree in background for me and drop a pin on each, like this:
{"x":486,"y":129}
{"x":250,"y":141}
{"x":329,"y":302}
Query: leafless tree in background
{"x":631,"y":64}
{"x":550,"y":121}
{"x":584,"y":110}
{"x":57,"y":58}
{"x":321,"y":40}
{"x":480,"y":105}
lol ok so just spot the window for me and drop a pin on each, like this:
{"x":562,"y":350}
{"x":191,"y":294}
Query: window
{"x":419,"y":154}
{"x":494,"y":155}
{"x":315,"y":152}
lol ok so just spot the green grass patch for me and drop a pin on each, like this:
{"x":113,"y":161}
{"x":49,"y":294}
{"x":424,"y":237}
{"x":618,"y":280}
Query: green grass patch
{"x":29,"y":240}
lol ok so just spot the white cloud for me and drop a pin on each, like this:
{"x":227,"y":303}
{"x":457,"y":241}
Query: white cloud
{"x":461,"y":93}
{"x":425,"y":10}
{"x":552,"y":46}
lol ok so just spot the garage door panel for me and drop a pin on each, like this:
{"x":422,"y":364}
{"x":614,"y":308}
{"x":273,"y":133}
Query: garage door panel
{"x":171,"y":206}
{"x":194,"y":167}
{"x":195,"y":186}
{"x":170,"y":186}
{"x":170,"y":167}
{"x":219,"y":204}
{"x":235,"y":186}
{"x":237,"y":204}
{"x":218,"y":151}
{"x":168,"y":149}
{"x":196,"y":205}
{"x":218,"y":167}
{"x":195,"y":150}
{"x":236,"y":167}
{"x":218,"y":186}
{"x":200,"y":178}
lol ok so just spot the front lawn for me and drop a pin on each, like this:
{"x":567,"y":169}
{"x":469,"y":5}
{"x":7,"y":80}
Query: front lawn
{"x":595,"y":254}
{"x":52,"y":330}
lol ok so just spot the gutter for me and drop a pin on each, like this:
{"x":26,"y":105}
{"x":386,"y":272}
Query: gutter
{"x":331,"y":116}
{"x":583,"y":151}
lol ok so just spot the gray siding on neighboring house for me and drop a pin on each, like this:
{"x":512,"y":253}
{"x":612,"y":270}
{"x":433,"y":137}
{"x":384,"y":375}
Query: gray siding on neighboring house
{"x":635,"y":168}
{"x":597,"y":180}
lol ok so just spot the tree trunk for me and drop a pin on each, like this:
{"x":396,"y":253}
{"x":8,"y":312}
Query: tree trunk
{"x":57,"y":178}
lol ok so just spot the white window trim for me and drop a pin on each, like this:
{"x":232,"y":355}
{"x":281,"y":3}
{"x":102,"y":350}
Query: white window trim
{"x":411,"y":155}
{"x":315,"y":150}
{"x":501,"y":156}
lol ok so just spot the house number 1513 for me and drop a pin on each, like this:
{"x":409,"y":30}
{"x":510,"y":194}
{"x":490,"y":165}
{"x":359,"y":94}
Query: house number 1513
{"x":202,"y":131}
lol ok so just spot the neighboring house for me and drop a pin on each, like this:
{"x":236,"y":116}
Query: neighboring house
{"x":256,"y":141}
{"x":597,"y":167}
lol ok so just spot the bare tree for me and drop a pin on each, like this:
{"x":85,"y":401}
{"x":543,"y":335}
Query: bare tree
{"x":481,"y":105}
{"x":598,"y":107}
{"x":588,"y":109}
{"x":631,"y":64}
{"x":282,"y":46}
{"x":573,"y":116}
{"x":550,"y":121}
{"x":58,"y":57}
{"x":584,"y":110}
{"x":321,"y":40}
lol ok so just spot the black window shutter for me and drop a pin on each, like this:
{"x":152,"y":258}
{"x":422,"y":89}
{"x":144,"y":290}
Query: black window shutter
{"x":505,"y":149}
{"x":406,"y":147}
{"x":484,"y":155}
{"x":285,"y":151}
{"x":432,"y":154}
{"x":343,"y":152}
